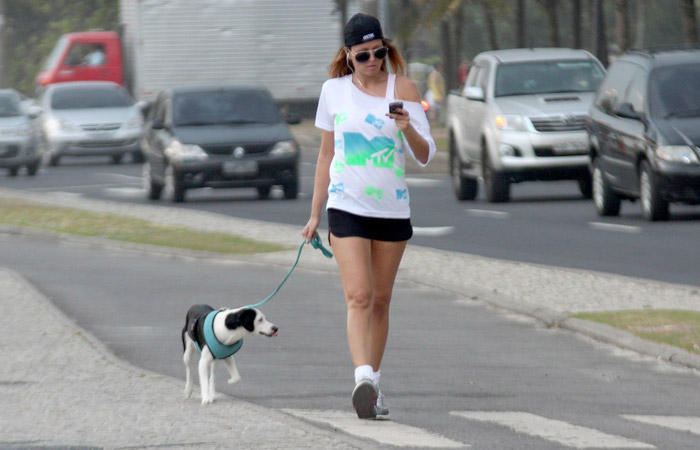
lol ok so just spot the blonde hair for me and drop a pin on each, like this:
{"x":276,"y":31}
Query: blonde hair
{"x":341,"y":64}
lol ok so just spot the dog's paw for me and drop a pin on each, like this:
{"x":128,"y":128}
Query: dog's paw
{"x":187,"y":394}
{"x":207,"y":401}
{"x":234,"y":380}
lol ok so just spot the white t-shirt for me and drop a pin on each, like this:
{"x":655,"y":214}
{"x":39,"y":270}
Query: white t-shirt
{"x":367,"y":174}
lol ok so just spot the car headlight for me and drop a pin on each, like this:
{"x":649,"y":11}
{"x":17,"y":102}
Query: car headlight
{"x":284,"y":148}
{"x":185,"y":152}
{"x":677,"y":154}
{"x":510,"y":122}
{"x":54,"y":125}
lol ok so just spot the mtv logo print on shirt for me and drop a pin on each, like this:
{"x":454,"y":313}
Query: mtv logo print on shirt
{"x":358,"y":150}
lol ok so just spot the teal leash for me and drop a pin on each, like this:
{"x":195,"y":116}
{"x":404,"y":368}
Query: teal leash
{"x":315,"y":243}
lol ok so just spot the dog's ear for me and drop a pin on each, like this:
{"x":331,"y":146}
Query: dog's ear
{"x":245,"y":318}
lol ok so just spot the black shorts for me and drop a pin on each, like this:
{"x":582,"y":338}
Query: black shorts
{"x":345,"y":224}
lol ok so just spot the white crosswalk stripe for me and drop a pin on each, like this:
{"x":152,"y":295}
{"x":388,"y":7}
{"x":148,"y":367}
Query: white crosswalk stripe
{"x":553,"y":430}
{"x":680,"y":423}
{"x":382,"y":431}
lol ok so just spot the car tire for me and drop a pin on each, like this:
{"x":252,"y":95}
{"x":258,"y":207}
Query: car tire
{"x":173,"y":185}
{"x":154,"y":189}
{"x":13,"y":171}
{"x":137,"y":157}
{"x":33,"y":168}
{"x":117,"y":159}
{"x":585,"y":185}
{"x":607,"y":202}
{"x":54,"y":160}
{"x":291,"y":190}
{"x":654,"y":206}
{"x":464,"y":188}
{"x":496,"y":184}
{"x":264,"y":192}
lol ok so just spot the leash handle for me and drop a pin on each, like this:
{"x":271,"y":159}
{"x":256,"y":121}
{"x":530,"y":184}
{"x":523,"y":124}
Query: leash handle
{"x":318,"y":245}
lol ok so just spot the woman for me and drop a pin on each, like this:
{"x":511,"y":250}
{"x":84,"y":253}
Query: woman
{"x":360,"y":173}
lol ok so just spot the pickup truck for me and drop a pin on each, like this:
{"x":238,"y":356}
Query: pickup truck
{"x":521,"y":117}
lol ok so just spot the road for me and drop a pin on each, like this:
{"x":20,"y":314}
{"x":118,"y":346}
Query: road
{"x":546,"y":223}
{"x":456,"y":373}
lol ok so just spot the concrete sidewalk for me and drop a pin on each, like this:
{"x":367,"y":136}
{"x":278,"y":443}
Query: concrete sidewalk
{"x":66,"y":389}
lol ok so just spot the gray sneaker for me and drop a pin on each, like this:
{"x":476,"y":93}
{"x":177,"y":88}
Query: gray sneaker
{"x":382,"y":410}
{"x":364,"y":399}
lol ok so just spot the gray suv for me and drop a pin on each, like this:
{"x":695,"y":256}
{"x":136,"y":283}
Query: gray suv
{"x":521,"y":117}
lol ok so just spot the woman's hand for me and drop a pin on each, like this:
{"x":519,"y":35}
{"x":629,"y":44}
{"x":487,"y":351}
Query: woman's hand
{"x":401,"y":118}
{"x":309,"y":230}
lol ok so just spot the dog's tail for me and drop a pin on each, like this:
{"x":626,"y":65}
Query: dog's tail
{"x":182,"y":335}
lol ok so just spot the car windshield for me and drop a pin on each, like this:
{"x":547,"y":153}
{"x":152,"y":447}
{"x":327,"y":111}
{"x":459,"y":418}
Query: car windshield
{"x":223,"y":107}
{"x":675,"y":91}
{"x":55,"y":54}
{"x":84,"y":97}
{"x":547,"y":77}
{"x":9,"y":106}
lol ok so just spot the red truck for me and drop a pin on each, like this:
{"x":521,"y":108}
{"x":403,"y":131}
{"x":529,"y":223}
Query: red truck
{"x":85,"y":56}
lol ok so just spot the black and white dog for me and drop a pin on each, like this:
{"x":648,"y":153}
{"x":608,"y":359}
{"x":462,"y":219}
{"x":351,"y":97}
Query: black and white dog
{"x":218,"y":334}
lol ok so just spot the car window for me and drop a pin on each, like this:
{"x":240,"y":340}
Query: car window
{"x":483,"y":80}
{"x":81,"y":97}
{"x":636,"y":94}
{"x":224,"y":107}
{"x":9,"y":106}
{"x":547,"y":77}
{"x":615,"y":85}
{"x":473,"y":75}
{"x":675,"y":91}
{"x":55,"y":54}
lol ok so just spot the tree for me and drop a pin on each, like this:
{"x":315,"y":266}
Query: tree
{"x":550,"y":8}
{"x":577,"y":29}
{"x":622,"y":25}
{"x":690,"y":25}
{"x":520,"y":21}
{"x":600,"y":39}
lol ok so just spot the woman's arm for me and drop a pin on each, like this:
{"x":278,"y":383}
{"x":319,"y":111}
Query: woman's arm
{"x":321,"y":181}
{"x":406,"y":90}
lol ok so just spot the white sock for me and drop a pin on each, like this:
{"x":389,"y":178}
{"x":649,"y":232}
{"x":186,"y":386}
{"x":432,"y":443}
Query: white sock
{"x":362,"y":372}
{"x":375,"y":377}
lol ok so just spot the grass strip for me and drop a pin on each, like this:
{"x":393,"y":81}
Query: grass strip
{"x":121,"y":228}
{"x":673,"y":327}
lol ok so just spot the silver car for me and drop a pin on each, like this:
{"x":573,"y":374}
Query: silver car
{"x":521,"y":117}
{"x":90,"y":118}
{"x":18,"y":136}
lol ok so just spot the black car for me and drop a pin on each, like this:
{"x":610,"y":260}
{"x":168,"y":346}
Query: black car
{"x":644,"y":128}
{"x":218,"y":137}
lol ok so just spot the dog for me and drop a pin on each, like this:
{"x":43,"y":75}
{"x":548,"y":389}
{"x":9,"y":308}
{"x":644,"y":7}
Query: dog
{"x":218,"y":334}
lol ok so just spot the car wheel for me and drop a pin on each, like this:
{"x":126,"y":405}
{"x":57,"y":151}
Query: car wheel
{"x":654,"y":207}
{"x":154,"y":189}
{"x":464,"y":188}
{"x":585,"y":185}
{"x":496,"y":184}
{"x":33,"y":168}
{"x":291,"y":190}
{"x":264,"y":192}
{"x":13,"y":171}
{"x":607,"y":203}
{"x":54,"y":160}
{"x":117,"y":159}
{"x":173,"y":185}
{"x":137,"y":157}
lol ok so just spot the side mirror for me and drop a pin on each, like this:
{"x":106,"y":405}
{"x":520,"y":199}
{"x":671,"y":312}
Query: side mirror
{"x":627,"y":111}
{"x":293,"y":118}
{"x":475,"y":93}
{"x":158,"y":124}
{"x":34,"y":111}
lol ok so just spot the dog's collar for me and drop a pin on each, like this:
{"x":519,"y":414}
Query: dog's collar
{"x":217,"y":349}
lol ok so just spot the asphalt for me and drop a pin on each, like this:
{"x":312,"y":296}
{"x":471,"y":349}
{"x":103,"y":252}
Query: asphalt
{"x":61,"y":388}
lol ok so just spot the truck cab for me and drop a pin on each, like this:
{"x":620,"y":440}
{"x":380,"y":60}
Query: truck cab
{"x":85,"y":56}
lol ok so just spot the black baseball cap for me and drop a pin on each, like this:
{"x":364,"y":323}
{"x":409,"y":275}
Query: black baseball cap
{"x":362,"y":28}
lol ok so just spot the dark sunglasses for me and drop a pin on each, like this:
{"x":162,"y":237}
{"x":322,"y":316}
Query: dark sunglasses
{"x":363,"y":56}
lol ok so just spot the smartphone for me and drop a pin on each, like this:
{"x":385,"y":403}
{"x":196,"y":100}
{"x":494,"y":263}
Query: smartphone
{"x":393,"y":106}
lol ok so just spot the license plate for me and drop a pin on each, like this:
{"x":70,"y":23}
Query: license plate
{"x":570,"y":148}
{"x":240,"y":168}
